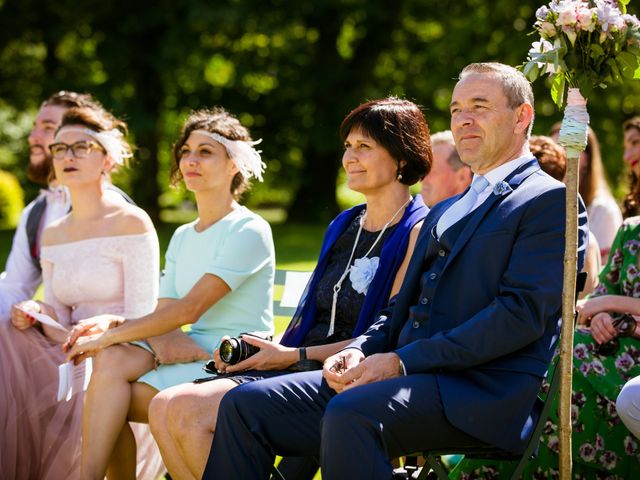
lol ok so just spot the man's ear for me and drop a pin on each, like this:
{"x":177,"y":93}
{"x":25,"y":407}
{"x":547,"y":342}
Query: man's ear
{"x":524,"y":116}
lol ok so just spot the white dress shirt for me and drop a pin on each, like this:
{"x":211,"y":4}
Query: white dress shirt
{"x":21,"y":278}
{"x":497,"y":175}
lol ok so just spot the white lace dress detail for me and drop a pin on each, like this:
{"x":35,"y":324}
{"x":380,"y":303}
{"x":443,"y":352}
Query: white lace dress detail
{"x":117,"y":274}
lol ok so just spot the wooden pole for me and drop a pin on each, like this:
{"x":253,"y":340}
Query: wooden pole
{"x":573,"y":136}
{"x":568,"y":314}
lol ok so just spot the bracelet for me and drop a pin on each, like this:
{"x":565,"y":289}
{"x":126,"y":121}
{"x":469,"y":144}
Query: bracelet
{"x":302,"y":351}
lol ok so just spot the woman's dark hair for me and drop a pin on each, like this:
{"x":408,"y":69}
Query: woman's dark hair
{"x":215,"y":120}
{"x":550,"y":155}
{"x":631,"y":203}
{"x":95,"y":117}
{"x":400,"y":127}
{"x":67,"y":99}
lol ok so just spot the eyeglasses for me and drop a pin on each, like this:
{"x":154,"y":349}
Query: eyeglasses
{"x":78,"y":149}
{"x":625,"y":325}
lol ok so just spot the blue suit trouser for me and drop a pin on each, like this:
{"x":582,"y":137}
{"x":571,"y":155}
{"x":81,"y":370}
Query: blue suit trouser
{"x":355,"y":433}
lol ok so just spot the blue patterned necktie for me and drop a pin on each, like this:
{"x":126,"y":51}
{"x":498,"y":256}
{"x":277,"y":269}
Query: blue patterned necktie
{"x":464,"y":204}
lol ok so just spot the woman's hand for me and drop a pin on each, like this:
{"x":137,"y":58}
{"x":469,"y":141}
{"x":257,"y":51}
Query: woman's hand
{"x":602,"y":329}
{"x":91,"y":326}
{"x":588,"y":308}
{"x":220,"y":365}
{"x":272,"y":356}
{"x":87,"y":346}
{"x":20,"y":317}
{"x":176,"y":347}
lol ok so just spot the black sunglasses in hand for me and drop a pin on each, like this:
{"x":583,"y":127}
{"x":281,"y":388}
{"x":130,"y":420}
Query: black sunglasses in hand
{"x":625,"y":325}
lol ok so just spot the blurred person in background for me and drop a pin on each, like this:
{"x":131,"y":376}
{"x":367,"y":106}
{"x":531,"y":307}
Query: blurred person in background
{"x":448,"y":175}
{"x":631,"y":202}
{"x":553,"y":160}
{"x":604,"y":213}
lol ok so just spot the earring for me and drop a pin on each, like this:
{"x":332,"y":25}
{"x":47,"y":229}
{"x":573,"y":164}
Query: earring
{"x":399,"y":176}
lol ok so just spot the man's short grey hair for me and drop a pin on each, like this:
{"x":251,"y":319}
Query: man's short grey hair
{"x":515,"y":85}
{"x":446,"y":137}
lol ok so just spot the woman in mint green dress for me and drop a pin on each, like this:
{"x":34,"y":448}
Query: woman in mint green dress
{"x":218,"y":278}
{"x":603,"y":448}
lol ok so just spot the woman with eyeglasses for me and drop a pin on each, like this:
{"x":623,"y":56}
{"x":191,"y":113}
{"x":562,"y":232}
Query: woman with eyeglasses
{"x":218,"y":278}
{"x":606,"y":354}
{"x":101,"y":257}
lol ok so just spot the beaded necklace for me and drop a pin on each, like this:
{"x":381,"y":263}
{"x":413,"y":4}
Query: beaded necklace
{"x":360,"y":265}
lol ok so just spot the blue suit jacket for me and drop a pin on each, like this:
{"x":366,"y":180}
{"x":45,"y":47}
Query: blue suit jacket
{"x":494,"y":317}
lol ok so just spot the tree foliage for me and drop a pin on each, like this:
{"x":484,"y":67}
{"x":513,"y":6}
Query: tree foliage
{"x":289,"y":70}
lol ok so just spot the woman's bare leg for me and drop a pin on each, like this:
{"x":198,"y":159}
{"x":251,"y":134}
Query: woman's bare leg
{"x":122,"y":464}
{"x":107,"y":403}
{"x":183,"y":421}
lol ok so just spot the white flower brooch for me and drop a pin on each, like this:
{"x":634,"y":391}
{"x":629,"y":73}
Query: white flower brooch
{"x":362,"y":273}
{"x":502,"y":188}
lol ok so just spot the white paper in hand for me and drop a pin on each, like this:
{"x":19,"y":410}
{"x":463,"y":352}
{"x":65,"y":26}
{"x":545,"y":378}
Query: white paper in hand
{"x":46,"y":320}
{"x":73,"y":379}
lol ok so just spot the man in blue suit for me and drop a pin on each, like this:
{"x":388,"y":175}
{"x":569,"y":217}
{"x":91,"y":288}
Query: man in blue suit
{"x":458,"y":359}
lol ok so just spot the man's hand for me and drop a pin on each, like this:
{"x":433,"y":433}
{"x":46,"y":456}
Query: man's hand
{"x":375,"y":368}
{"x":337,"y":366}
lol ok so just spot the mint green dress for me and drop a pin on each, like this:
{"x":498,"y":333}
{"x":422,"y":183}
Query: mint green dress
{"x":239,"y":250}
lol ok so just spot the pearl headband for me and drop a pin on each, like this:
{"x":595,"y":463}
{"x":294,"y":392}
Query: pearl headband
{"x":241,"y":152}
{"x":111,"y":141}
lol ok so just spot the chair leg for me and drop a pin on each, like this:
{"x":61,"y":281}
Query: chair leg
{"x":517,"y":472}
{"x":275,"y":473}
{"x":435,"y":463}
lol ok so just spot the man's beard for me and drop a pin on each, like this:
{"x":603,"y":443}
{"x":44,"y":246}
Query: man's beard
{"x":40,"y":172}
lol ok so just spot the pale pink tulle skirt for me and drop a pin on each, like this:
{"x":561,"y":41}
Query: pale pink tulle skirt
{"x":40,"y":437}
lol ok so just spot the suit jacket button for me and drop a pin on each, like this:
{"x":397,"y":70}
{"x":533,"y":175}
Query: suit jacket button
{"x":441,"y":252}
{"x":416,"y":324}
{"x":424,"y":301}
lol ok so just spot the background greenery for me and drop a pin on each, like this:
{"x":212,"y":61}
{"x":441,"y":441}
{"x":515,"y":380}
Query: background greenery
{"x":289,"y":70}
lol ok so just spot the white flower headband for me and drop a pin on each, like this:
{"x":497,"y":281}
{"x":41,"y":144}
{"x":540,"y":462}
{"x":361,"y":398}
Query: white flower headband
{"x":111,"y":141}
{"x":246,"y":158}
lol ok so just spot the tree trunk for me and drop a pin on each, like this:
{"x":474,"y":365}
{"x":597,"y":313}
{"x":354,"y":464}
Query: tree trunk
{"x":315,"y":199}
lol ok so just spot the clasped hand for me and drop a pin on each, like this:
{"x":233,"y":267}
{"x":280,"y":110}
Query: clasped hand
{"x":594,"y":313}
{"x":349,"y":368}
{"x":271,"y":356}
{"x":87,"y":337}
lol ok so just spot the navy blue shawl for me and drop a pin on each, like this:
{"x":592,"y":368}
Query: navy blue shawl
{"x":391,"y":256}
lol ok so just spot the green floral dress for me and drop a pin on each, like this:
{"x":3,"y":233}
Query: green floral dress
{"x":602,"y":446}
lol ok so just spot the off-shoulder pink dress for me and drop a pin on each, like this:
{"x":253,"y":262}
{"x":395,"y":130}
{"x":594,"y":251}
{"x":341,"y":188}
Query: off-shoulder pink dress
{"x":39,"y":436}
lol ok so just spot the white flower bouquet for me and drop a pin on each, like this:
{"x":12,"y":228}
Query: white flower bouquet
{"x":584,"y":44}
